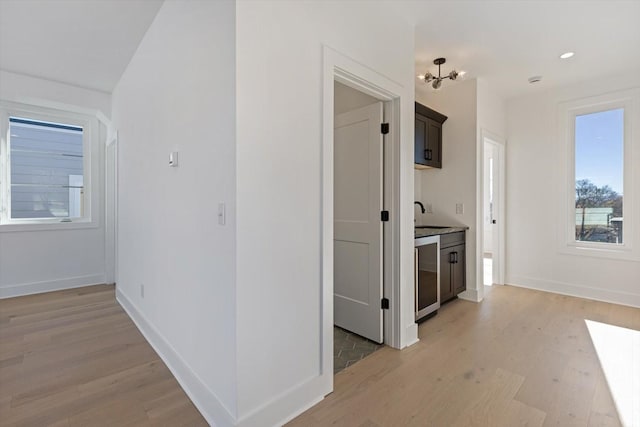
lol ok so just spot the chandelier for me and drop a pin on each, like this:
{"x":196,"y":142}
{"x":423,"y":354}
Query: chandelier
{"x":436,"y":82}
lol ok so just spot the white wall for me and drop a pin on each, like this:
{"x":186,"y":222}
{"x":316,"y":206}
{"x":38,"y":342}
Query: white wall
{"x":533,"y":185}
{"x":178,"y":94}
{"x":348,"y":99}
{"x":46,"y":260}
{"x":279,"y":220}
{"x":491,"y":111}
{"x":456,"y":181}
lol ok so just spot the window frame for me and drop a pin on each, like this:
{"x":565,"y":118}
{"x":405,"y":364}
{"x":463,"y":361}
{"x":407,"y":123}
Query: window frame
{"x":568,"y":111}
{"x":90,"y":129}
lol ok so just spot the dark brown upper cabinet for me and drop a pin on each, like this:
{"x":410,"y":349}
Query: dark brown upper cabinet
{"x":428,"y":137}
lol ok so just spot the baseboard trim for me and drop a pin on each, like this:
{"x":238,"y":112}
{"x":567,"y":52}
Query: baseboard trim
{"x":202,"y":397}
{"x":289,"y":404}
{"x":470,"y":295}
{"x":50,"y":285}
{"x":411,"y":335}
{"x":569,"y":289}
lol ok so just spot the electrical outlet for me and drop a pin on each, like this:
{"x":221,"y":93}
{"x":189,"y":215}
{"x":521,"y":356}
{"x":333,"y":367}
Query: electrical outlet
{"x":141,"y":290}
{"x":459,"y":208}
{"x":429,"y":208}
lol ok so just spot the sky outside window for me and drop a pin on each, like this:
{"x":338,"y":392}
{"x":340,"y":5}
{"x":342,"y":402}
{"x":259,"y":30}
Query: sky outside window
{"x":599,"y":148}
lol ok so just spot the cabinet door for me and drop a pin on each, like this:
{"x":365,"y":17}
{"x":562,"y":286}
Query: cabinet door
{"x":420,"y":147}
{"x":458,"y":270}
{"x":434,"y":144}
{"x":446,"y":290}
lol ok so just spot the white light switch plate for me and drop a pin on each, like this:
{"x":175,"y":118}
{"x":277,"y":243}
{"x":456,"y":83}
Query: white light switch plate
{"x":459,"y":208}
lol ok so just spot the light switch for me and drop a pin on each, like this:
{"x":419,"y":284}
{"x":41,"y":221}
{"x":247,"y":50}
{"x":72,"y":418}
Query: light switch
{"x":459,"y":208}
{"x":173,"y":159}
{"x":429,"y":208}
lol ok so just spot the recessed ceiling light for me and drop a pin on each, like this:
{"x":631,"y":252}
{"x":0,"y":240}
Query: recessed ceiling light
{"x":567,"y":55}
{"x":535,"y":79}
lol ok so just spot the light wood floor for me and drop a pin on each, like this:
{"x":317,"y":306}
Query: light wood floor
{"x":74,"y":358}
{"x":521,"y":357}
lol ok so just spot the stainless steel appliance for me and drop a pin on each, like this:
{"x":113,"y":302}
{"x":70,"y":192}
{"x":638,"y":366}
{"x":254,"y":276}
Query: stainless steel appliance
{"x":427,"y":275}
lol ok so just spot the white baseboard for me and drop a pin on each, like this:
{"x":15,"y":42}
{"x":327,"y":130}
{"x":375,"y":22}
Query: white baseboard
{"x":470,"y":295}
{"x":288,"y":405}
{"x":50,"y":285}
{"x":202,"y":397}
{"x":604,"y":295}
{"x":411,"y":335}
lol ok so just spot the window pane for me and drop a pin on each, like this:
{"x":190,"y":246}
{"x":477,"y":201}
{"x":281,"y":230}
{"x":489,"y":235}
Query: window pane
{"x":46,"y":169}
{"x":599,"y":171}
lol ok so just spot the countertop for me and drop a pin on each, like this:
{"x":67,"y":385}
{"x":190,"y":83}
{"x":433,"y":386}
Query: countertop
{"x":426,"y":232}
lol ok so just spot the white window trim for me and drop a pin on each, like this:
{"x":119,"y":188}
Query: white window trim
{"x":90,"y":142}
{"x":629,"y":249}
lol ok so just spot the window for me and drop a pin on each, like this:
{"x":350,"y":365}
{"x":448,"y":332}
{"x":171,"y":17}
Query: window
{"x":599,"y":181}
{"x":600,"y":154}
{"x":45,"y":167}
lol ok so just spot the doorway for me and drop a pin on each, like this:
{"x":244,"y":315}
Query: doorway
{"x":399,"y":327}
{"x":358,"y":200}
{"x":493,"y":210}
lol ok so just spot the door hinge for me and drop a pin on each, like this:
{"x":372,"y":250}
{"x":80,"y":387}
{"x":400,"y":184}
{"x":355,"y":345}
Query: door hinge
{"x":384,"y":128}
{"x":384,"y":216}
{"x":384,"y":303}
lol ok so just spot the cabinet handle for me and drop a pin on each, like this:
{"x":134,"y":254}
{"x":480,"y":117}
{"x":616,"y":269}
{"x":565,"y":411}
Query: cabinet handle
{"x":415,"y":277}
{"x":427,"y":154}
{"x":452,"y":257}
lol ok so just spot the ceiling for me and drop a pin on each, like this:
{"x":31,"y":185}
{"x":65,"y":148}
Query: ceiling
{"x":87,"y":43}
{"x":506,"y":42}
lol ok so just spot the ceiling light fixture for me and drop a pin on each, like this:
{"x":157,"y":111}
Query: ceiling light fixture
{"x":567,"y":55}
{"x":436,"y":82}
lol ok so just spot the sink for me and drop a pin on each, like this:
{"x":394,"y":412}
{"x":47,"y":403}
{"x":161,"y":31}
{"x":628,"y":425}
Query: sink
{"x":437,"y":227}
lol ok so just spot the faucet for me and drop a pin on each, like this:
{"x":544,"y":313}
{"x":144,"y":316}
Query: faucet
{"x":421,"y":206}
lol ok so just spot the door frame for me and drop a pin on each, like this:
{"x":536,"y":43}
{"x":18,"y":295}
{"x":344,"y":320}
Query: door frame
{"x":338,"y":67}
{"x":111,"y":210}
{"x":498,"y":142}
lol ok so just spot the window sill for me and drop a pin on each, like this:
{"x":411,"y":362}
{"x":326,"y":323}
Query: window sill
{"x":620,"y":253}
{"x":47,"y":226}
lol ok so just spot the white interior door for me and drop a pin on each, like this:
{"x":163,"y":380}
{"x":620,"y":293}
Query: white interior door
{"x":488,"y":198}
{"x":357,"y":226}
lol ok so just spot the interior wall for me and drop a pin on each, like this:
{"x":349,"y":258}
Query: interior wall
{"x":492,"y":114}
{"x":348,"y":99}
{"x":456,"y":181}
{"x":47,"y":260}
{"x":280,"y":121}
{"x":178,"y":94}
{"x":533,"y":185}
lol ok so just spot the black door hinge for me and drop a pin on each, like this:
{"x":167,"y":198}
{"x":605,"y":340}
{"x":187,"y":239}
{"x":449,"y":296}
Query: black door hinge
{"x":384,"y":128}
{"x":384,"y":216}
{"x":384,"y":304}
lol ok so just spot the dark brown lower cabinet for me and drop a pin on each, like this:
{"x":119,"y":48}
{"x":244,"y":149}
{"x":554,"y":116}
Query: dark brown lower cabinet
{"x":452,"y":266}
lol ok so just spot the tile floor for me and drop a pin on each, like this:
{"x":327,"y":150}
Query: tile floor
{"x":349,"y":348}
